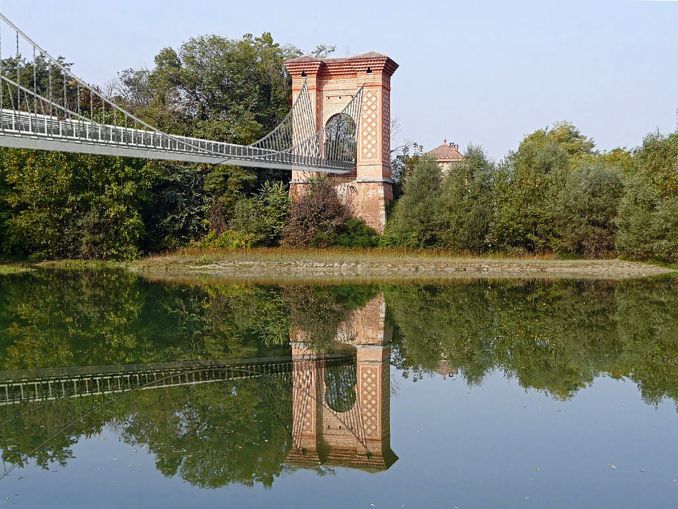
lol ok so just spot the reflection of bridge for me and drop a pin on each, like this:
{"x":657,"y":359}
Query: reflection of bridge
{"x":28,"y":386}
{"x":340,"y":410}
{"x":340,"y":423}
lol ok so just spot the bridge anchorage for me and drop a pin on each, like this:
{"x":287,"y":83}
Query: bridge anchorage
{"x":338,"y":124}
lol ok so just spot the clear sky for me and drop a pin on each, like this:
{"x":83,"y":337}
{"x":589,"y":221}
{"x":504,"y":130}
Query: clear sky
{"x":478,"y":71}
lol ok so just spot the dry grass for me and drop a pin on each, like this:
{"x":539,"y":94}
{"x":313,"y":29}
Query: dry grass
{"x":7,"y":270}
{"x":290,"y":264}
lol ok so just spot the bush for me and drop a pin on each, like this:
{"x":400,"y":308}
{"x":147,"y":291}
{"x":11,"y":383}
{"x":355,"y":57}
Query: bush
{"x":74,"y":206}
{"x":586,"y":211}
{"x":317,"y":216}
{"x":230,"y":239}
{"x":176,"y":214}
{"x":265,"y":215}
{"x":356,"y":233}
{"x":648,"y":225}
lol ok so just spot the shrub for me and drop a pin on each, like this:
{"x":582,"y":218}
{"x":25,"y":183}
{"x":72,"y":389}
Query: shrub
{"x":176,"y":214}
{"x":230,"y":239}
{"x":74,"y":206}
{"x":648,"y":225}
{"x":265,"y":215}
{"x":317,"y":216}
{"x":356,"y":233}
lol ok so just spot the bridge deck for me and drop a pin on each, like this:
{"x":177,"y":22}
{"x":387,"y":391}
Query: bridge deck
{"x":26,"y":130}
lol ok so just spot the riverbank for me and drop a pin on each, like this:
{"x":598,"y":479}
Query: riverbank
{"x":283,"y":264}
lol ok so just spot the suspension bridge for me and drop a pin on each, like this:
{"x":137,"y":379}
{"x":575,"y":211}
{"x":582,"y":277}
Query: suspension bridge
{"x":45,"y":106}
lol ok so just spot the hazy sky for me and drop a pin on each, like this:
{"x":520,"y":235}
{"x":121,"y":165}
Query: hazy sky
{"x":482,"y":72}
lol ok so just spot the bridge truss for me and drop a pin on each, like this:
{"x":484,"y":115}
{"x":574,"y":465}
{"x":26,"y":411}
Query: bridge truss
{"x":45,"y":106}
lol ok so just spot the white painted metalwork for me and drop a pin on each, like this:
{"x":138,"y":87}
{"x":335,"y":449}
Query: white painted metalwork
{"x":61,"y":112}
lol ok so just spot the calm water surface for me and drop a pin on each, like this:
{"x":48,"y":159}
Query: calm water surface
{"x":121,"y":392}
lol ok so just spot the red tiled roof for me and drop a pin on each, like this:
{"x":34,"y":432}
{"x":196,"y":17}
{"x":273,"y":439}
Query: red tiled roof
{"x":447,"y":152}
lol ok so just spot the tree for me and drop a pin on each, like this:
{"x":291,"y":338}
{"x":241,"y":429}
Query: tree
{"x":176,"y":213}
{"x":323,"y":50}
{"x":4,"y":216}
{"x":414,"y":220}
{"x":586,"y":210}
{"x":233,"y":90}
{"x":403,"y":161}
{"x":648,"y":214}
{"x":222,"y":89}
{"x":317,"y":216}
{"x":465,"y":206}
{"x":527,"y":186}
{"x":74,"y":206}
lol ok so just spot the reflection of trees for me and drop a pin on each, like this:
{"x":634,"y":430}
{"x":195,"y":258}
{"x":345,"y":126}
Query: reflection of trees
{"x":211,"y":435}
{"x":318,"y":310}
{"x":57,"y":319}
{"x":215,"y":434}
{"x":554,"y":336}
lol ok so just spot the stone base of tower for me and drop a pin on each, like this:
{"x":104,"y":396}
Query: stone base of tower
{"x":366,"y":200}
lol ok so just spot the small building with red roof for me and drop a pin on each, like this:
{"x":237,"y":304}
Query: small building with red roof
{"x":447,"y":155}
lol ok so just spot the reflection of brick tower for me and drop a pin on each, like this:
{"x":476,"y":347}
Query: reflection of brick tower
{"x":355,"y":430}
{"x":332,"y":83}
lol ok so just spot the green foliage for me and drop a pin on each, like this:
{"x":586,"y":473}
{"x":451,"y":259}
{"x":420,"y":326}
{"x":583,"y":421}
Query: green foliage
{"x":176,"y":213}
{"x":413,"y":221}
{"x":465,"y":203}
{"x":225,"y":187}
{"x":648,"y":214}
{"x":317,"y":216}
{"x":264,"y":215}
{"x":403,"y":161}
{"x":586,"y":210}
{"x":229,"y":239}
{"x":356,"y":233}
{"x":4,"y":215}
{"x":73,"y":206}
{"x":234,"y":90}
{"x":528,"y":184}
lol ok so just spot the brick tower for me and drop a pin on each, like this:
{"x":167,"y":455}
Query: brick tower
{"x":332,"y":83}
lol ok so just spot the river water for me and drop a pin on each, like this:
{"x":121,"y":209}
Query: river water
{"x":117,"y":391}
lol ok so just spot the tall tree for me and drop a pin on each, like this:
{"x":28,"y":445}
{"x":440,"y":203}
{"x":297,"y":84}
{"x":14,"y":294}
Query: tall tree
{"x":414,"y":220}
{"x":528,"y":184}
{"x":465,"y":207}
{"x":586,"y":209}
{"x":648,"y":215}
